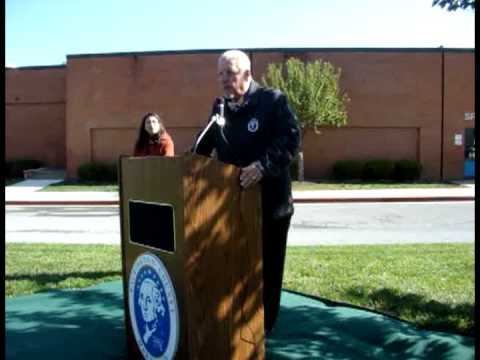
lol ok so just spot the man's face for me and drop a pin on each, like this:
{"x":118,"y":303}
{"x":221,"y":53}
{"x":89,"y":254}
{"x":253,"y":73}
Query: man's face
{"x":233,"y":80}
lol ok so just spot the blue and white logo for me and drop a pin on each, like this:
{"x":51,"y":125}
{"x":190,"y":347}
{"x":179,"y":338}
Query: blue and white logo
{"x":252,"y":125}
{"x":153,"y":308}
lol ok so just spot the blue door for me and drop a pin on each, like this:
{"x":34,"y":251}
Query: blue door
{"x":469,"y":162}
{"x":469,"y":169}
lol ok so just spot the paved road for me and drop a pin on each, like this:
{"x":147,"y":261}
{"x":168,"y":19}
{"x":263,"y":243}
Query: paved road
{"x":62,"y":224}
{"x":383,"y":223}
{"x":312,"y":224}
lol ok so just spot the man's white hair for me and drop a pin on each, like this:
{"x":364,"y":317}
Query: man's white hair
{"x":239,"y":57}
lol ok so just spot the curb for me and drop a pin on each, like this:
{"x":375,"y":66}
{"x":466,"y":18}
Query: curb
{"x":386,"y":199}
{"x":296,"y":201}
{"x":61,"y":202}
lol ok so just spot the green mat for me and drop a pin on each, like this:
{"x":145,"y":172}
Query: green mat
{"x":89,"y":324}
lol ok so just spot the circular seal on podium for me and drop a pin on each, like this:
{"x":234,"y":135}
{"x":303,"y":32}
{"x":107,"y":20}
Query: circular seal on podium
{"x":153,"y":308}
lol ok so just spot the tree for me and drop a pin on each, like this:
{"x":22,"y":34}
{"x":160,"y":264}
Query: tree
{"x":313,"y":92}
{"x":455,"y":4}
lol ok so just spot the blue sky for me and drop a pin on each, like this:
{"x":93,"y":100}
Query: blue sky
{"x":43,"y":32}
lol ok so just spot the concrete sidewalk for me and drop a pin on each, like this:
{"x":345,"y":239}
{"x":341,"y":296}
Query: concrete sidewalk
{"x":27,"y":193}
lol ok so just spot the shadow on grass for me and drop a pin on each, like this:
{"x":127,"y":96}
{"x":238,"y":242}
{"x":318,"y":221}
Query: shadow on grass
{"x":429,"y":314}
{"x":83,"y":324}
{"x":321,"y":331}
{"x":89,"y":324}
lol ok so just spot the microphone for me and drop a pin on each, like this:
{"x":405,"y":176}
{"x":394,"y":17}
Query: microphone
{"x":219,"y":118}
{"x":221,"y":111}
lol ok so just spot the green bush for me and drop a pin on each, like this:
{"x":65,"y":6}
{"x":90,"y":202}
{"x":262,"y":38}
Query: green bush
{"x":97,"y":172}
{"x":348,"y":169}
{"x":407,"y":170}
{"x":15,"y":168}
{"x":378,"y":170}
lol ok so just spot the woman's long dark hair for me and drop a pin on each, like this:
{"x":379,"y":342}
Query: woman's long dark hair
{"x":143,"y":135}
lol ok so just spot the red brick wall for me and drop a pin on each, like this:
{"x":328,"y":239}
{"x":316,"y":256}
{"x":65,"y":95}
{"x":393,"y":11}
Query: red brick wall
{"x":109,"y":95}
{"x":395,"y":110}
{"x":35,"y":114}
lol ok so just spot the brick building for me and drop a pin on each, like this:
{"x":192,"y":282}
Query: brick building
{"x":405,"y":104}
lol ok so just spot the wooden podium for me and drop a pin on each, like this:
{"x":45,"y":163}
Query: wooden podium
{"x":188,"y":218}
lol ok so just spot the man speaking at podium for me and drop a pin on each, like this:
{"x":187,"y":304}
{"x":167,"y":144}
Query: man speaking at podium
{"x":253,"y":127}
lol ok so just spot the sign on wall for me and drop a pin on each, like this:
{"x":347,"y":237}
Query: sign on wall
{"x":458,"y":139}
{"x":469,"y":116}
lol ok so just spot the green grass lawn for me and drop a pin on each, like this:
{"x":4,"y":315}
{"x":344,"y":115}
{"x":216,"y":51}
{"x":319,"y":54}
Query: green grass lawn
{"x":31,"y":268}
{"x":298,"y":186}
{"x":429,"y":285}
{"x":79,"y":186}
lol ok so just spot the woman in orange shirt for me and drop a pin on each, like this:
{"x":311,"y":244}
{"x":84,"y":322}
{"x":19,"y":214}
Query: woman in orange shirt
{"x":153,"y":139}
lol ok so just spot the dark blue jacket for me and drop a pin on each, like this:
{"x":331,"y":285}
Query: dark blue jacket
{"x":262,"y":128}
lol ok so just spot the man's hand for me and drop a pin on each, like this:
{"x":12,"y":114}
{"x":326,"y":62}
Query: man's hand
{"x":250,"y":174}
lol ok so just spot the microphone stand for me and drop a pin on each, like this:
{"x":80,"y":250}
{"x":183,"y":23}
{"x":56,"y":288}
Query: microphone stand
{"x":218,"y":118}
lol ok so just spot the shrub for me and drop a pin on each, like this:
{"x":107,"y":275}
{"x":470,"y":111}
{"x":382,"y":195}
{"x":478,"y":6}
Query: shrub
{"x":407,"y":170}
{"x":15,"y":168}
{"x":97,"y":172}
{"x":348,"y":169}
{"x":378,"y":170}
{"x":313,"y":91}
